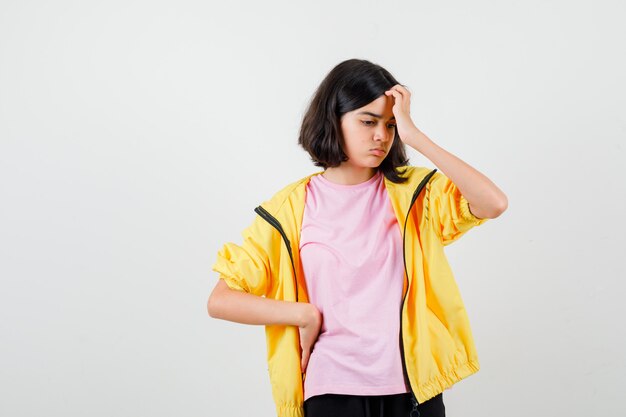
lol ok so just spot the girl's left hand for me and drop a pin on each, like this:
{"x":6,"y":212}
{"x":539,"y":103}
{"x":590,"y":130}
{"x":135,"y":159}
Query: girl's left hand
{"x":401,"y":110}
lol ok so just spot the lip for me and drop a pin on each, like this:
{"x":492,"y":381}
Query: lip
{"x":377,"y":151}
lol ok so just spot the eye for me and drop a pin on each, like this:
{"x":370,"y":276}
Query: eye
{"x":391,"y":126}
{"x":368,"y":122}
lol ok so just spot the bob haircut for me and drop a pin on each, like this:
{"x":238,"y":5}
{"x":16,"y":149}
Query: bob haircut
{"x":352,"y":84}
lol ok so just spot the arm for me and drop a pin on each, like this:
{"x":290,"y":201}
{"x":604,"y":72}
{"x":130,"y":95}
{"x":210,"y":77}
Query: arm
{"x":241,"y":293}
{"x":242,"y":307}
{"x":484,"y":198}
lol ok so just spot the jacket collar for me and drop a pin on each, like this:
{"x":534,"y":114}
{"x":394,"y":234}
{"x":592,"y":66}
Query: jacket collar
{"x":287,"y":205}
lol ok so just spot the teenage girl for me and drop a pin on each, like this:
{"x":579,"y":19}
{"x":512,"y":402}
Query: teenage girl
{"x":351,"y":252}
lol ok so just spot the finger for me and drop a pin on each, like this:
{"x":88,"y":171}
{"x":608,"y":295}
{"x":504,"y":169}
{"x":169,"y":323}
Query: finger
{"x":305,"y":360}
{"x":403,"y":98}
{"x":402,"y":88}
{"x":399,"y":99}
{"x":396,"y":94}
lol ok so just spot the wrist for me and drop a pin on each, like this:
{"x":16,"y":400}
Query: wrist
{"x":420,"y":142}
{"x":307,"y":314}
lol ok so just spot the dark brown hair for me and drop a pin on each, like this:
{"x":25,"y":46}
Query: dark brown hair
{"x":352,"y":84}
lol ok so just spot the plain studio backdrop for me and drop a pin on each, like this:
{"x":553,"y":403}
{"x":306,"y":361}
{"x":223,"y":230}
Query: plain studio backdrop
{"x":137,"y":137}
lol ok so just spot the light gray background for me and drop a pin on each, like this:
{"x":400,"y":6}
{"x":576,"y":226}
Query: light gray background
{"x":138,"y":136}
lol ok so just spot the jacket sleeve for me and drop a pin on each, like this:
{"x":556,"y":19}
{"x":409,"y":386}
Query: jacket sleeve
{"x":246,"y":267}
{"x":448,"y":210}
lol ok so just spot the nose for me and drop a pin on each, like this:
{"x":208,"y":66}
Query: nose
{"x":382,"y":133}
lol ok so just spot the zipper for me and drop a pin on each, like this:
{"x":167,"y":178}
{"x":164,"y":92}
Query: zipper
{"x":274,"y":222}
{"x":414,"y":412}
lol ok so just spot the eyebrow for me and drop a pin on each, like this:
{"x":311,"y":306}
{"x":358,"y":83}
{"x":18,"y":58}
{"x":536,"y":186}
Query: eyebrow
{"x":375,"y":115}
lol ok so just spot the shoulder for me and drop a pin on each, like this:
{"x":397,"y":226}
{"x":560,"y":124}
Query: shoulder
{"x":417,"y":172}
{"x":414,"y":175}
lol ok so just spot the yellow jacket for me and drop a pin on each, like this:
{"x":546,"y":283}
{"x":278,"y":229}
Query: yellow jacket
{"x":435,"y":337}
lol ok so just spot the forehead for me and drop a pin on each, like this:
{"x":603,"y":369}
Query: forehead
{"x":381,"y":106}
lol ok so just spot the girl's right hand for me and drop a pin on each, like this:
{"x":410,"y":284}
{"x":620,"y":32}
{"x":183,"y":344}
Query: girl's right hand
{"x":309,"y":330}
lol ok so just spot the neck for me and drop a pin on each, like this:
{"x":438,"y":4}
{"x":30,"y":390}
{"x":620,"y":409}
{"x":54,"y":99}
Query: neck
{"x":349,"y":175}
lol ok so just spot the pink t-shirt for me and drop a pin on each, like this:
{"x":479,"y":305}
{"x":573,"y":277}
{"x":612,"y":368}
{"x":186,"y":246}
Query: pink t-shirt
{"x":351,"y":252}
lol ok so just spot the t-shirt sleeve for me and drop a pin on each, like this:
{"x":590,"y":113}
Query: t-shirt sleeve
{"x":448,"y":210}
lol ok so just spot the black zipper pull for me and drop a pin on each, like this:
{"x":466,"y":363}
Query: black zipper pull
{"x":414,"y":412}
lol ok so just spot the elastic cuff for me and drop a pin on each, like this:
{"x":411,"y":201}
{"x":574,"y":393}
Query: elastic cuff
{"x":467,"y":214}
{"x":232,"y":284}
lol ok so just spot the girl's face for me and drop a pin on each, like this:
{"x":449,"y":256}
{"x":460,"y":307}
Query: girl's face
{"x":368,"y":133}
